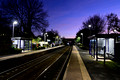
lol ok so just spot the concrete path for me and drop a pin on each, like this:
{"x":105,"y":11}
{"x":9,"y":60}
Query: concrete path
{"x":25,"y":53}
{"x":76,"y":69}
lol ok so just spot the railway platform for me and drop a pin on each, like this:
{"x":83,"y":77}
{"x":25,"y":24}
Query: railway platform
{"x":76,"y":69}
{"x":25,"y":53}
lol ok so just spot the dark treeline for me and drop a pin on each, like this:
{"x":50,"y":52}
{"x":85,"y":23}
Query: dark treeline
{"x":52,"y":35}
{"x":97,"y":24}
{"x":29,"y":14}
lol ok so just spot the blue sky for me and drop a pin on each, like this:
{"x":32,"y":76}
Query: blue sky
{"x":66,"y":16}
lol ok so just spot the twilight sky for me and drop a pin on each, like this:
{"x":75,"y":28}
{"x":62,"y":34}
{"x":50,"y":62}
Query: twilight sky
{"x":66,"y":16}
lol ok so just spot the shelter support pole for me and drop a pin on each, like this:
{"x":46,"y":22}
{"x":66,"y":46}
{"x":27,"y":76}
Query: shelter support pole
{"x":96,"y":49}
{"x":104,"y":54}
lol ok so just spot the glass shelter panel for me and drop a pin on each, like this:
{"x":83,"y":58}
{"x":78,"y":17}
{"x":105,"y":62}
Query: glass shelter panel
{"x":93,"y":47}
{"x":26,"y":45}
{"x":110,"y":46}
{"x":22,"y":44}
{"x":30,"y":46}
{"x":101,"y":44}
{"x":108,"y":43}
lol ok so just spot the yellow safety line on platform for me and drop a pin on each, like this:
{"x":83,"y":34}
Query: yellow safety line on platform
{"x":83,"y":69}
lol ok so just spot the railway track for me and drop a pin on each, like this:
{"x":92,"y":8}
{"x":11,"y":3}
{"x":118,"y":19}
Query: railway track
{"x":57,"y":69}
{"x":20,"y":60}
{"x":36,"y":68}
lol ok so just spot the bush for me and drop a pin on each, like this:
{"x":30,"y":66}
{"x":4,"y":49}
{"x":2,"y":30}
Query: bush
{"x":37,"y":47}
{"x":15,"y":51}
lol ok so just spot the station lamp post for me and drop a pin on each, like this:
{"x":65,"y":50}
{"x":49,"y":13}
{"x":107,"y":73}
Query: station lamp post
{"x":115,"y":31}
{"x":15,"y":22}
{"x":89,"y":28}
{"x":82,"y":37}
{"x":45,"y":37}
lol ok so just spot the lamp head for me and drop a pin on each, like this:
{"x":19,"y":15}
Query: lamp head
{"x":81,"y":33}
{"x":15,"y":22}
{"x":89,"y":26}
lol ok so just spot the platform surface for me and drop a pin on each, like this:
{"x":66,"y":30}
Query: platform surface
{"x":76,"y":69}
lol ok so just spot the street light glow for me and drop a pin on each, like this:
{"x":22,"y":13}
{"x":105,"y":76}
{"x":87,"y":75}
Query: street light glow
{"x":81,"y":33}
{"x":82,"y":37}
{"x":15,"y":22}
{"x":45,"y":36}
{"x":89,"y":26}
{"x":115,"y":30}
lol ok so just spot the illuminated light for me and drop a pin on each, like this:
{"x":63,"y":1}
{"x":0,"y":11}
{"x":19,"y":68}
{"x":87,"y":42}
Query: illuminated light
{"x":15,"y":22}
{"x":81,"y":33}
{"x":89,"y":26}
{"x":98,"y":39}
{"x":115,"y":30}
{"x":101,"y":59}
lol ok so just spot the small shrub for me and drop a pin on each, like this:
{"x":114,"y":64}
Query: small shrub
{"x":15,"y":51}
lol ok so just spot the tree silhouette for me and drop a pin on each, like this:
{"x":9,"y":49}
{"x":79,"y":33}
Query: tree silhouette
{"x":29,"y":13}
{"x":52,"y":34}
{"x":4,"y":29}
{"x":97,"y":24}
{"x":86,"y":34}
{"x":113,"y":22}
